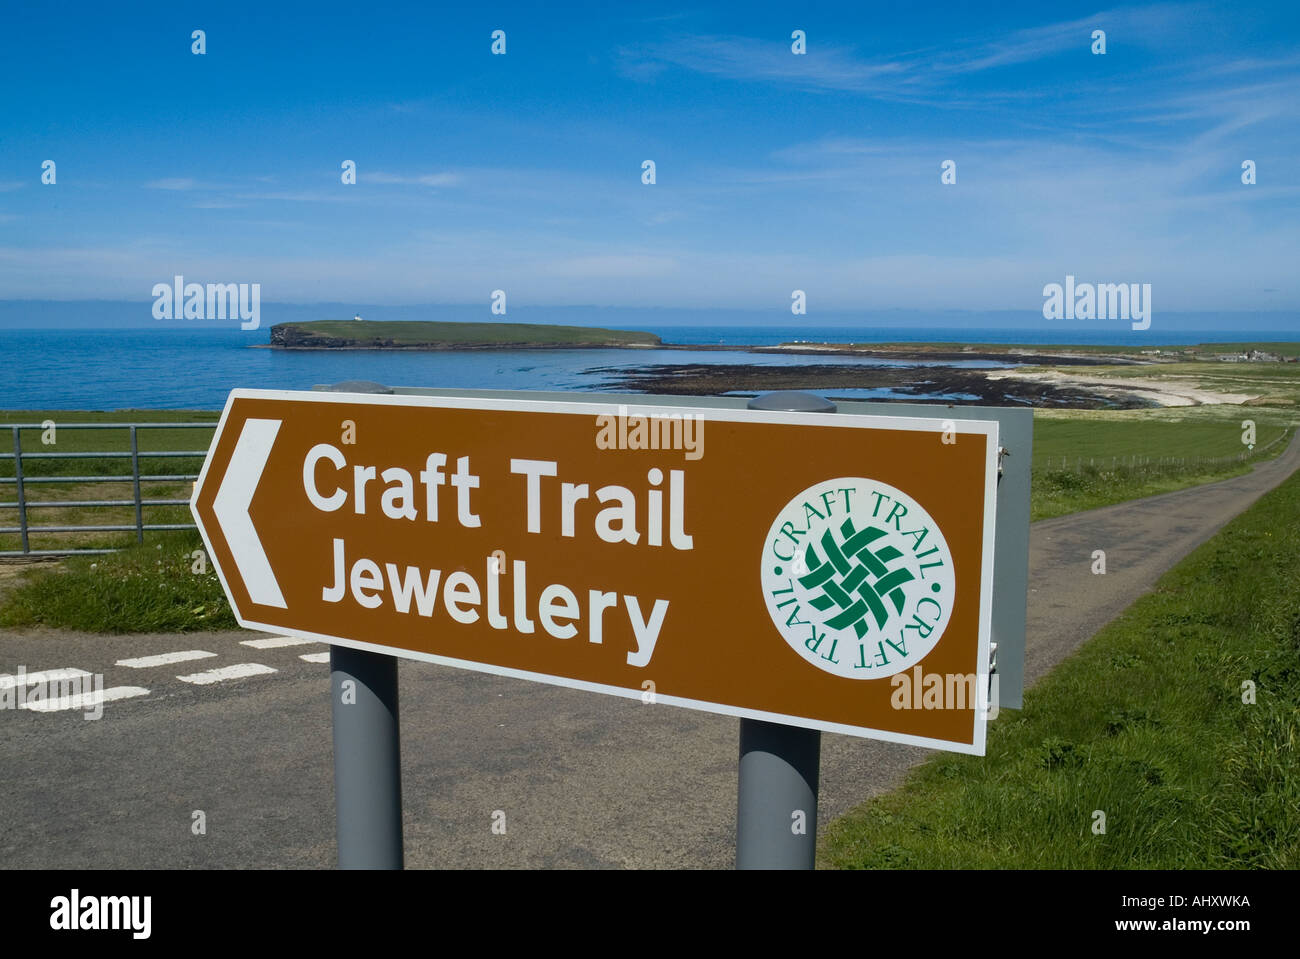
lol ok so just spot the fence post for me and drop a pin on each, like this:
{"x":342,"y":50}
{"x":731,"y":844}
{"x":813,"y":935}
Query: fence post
{"x":135,"y":477}
{"x":18,"y":480}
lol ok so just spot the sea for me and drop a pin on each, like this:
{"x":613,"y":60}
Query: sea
{"x":195,"y":369}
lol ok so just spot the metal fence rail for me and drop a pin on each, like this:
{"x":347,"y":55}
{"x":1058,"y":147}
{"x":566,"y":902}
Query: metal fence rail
{"x":25,"y":530}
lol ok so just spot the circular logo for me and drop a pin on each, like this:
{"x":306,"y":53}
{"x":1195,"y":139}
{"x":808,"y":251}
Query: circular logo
{"x":858,"y":578}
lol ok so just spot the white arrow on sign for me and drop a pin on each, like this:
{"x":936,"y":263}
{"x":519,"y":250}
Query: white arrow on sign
{"x":243,"y":473}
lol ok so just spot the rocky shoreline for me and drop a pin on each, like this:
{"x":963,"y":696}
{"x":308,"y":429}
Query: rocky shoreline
{"x":928,"y":384}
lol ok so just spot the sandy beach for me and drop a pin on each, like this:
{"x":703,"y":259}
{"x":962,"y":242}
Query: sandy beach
{"x":1170,"y":392}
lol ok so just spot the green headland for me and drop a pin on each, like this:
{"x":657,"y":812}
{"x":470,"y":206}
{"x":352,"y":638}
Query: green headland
{"x":438,"y":335}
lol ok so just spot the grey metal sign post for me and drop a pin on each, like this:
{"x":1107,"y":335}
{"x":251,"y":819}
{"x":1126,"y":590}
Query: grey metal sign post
{"x":776,"y":805}
{"x":776,"y":808}
{"x":367,"y":759}
{"x":367,"y":744}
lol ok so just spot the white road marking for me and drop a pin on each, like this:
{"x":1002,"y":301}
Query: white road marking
{"x":44,"y":676}
{"x":164,"y":659}
{"x":275,"y":642}
{"x":86,"y":700}
{"x":315,"y":657}
{"x":238,"y":671}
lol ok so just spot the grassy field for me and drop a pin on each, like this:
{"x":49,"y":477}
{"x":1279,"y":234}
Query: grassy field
{"x":1084,"y":459}
{"x":441,"y":335}
{"x":1089,"y":438}
{"x":1146,"y":724}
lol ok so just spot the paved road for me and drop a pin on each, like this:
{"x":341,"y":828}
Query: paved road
{"x":583,"y":780}
{"x":1141,"y":539}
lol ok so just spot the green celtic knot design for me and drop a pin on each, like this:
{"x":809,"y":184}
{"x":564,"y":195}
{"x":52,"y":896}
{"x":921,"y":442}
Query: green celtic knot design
{"x":853,"y":561}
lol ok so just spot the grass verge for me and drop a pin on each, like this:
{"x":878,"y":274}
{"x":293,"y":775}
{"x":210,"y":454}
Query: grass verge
{"x":1146,"y":724}
{"x":157,"y":587}
{"x":1059,"y":492}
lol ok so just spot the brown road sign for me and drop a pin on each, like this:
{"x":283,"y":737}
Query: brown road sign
{"x":832,"y":571}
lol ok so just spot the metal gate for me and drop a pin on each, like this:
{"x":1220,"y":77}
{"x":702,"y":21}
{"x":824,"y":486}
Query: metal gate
{"x":21,"y":482}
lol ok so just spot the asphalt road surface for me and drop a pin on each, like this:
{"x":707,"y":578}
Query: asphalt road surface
{"x":583,"y":780}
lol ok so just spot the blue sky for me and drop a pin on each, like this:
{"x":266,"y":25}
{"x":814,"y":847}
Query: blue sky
{"x":774,"y":171}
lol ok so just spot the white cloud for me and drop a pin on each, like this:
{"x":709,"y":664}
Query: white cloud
{"x":421,"y":179}
{"x":173,"y":183}
{"x":302,"y":196}
{"x":612,"y":266}
{"x":915,"y":74}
